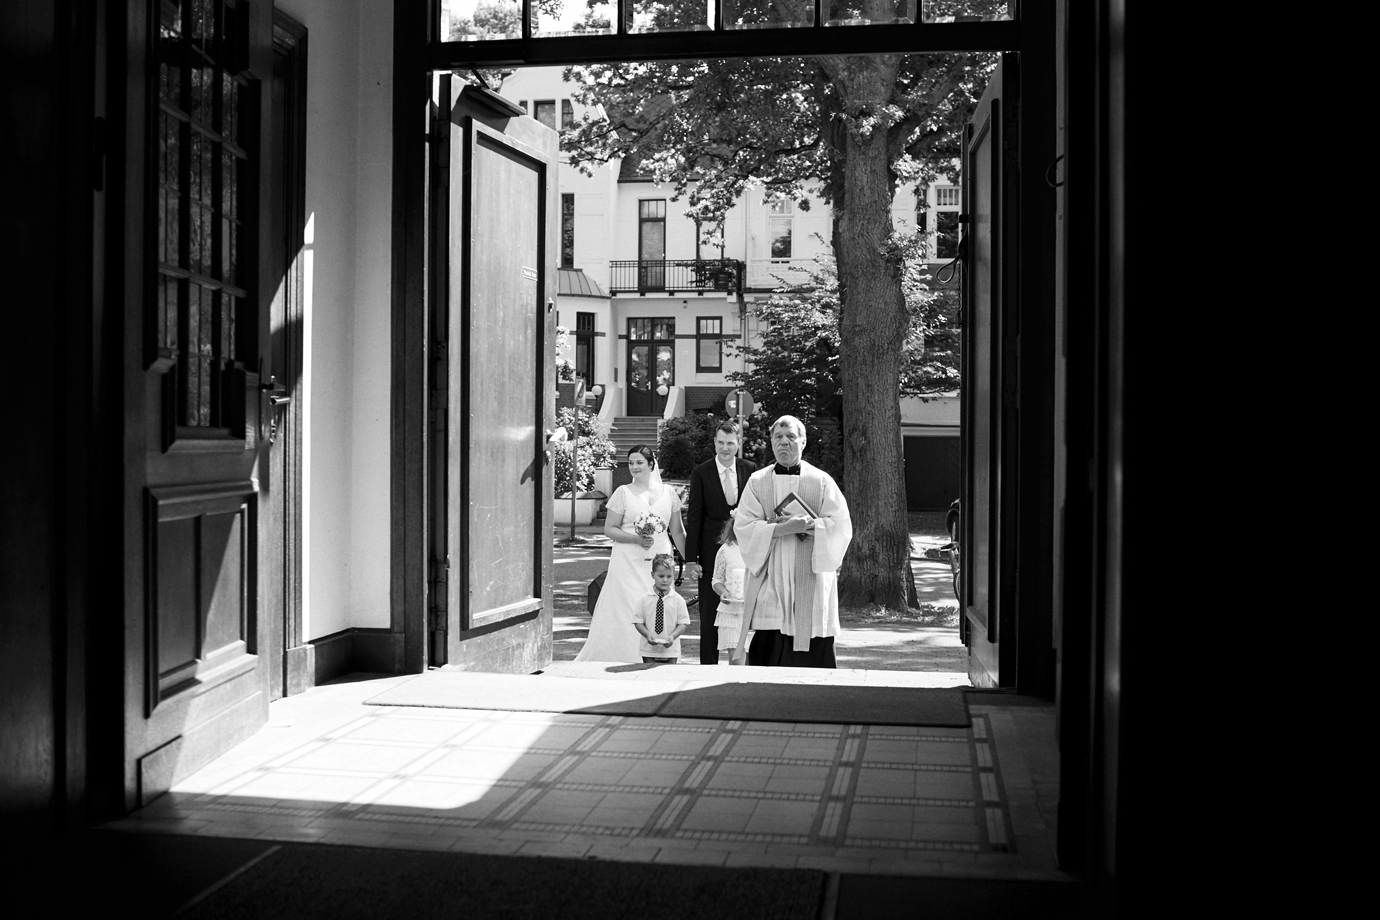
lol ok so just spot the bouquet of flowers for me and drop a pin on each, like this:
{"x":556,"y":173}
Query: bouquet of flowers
{"x":648,"y":525}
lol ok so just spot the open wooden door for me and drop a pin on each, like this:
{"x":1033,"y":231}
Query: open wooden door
{"x":201,"y":398}
{"x":988,"y":380}
{"x":493,"y":383}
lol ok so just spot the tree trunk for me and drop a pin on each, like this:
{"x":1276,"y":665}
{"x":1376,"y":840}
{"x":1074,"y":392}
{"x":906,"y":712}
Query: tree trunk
{"x":872,"y":332}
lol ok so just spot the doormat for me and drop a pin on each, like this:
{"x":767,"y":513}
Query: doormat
{"x":307,"y":881}
{"x":755,"y":701}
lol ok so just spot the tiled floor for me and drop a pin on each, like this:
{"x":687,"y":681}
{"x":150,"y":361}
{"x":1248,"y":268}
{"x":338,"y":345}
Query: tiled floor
{"x":847,"y":798}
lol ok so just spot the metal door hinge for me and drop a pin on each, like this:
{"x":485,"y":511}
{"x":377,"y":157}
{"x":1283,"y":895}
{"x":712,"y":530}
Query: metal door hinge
{"x":100,"y":149}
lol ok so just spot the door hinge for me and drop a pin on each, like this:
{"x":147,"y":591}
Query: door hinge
{"x":100,"y":148}
{"x":437,"y":579}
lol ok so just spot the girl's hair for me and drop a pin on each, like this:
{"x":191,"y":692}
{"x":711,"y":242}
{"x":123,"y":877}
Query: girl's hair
{"x":645,"y":451}
{"x":727,"y":536}
{"x":663,"y":561}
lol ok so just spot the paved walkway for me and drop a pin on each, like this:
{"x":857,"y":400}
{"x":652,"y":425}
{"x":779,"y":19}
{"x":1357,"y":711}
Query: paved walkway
{"x":949,"y":802}
{"x":887,"y":645}
{"x":976,"y":802}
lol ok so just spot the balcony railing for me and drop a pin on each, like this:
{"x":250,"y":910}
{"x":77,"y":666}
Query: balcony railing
{"x":773,"y":274}
{"x":675,"y":277}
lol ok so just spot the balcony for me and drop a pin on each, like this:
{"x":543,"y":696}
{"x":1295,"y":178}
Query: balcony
{"x":675,"y":277}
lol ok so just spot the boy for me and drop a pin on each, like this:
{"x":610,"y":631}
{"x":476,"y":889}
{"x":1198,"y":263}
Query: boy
{"x":662,"y":615}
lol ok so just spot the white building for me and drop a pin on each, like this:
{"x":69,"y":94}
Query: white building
{"x":648,"y":303}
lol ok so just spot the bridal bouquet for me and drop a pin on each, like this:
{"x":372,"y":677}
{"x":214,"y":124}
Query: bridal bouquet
{"x":648,"y":525}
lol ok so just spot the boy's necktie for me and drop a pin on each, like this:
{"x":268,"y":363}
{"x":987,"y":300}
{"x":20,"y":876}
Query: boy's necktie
{"x":660,"y":613}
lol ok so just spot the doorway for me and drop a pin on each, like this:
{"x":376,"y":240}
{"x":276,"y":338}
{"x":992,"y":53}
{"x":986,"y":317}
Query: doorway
{"x":651,"y":364}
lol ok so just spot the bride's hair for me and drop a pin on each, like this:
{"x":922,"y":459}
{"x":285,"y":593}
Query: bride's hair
{"x":645,"y":451}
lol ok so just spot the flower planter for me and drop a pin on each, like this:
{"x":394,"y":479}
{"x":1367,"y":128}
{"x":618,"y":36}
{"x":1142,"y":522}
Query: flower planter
{"x":586,"y":509}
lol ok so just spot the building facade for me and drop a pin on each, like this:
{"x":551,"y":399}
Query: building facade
{"x":678,"y":298}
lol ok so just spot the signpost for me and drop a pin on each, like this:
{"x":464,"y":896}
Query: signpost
{"x":739,"y":402}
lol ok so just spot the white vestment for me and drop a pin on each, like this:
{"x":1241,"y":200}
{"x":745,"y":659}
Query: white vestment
{"x":792,"y":584}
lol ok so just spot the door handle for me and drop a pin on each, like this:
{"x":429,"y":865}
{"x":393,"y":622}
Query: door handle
{"x":277,"y":399}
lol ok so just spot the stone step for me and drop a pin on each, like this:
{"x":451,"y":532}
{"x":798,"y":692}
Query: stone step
{"x":629,"y":431}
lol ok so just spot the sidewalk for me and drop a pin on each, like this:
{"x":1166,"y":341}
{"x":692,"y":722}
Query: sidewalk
{"x":895,"y":646}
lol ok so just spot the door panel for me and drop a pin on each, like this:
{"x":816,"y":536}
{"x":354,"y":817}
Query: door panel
{"x":284,"y":640}
{"x":493,"y":332}
{"x":984,"y":304}
{"x":651,"y":364}
{"x":504,"y":419}
{"x":197,"y":675}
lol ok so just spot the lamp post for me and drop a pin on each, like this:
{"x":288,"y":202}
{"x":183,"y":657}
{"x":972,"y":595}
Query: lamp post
{"x":597,"y":391}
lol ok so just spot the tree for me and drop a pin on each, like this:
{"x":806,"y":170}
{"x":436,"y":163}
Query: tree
{"x":565,"y":371}
{"x":851,"y":128}
{"x":596,"y":452}
{"x":795,"y":368}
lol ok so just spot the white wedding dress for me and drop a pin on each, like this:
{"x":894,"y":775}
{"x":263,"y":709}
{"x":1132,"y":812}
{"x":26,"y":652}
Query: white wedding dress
{"x":611,"y":633}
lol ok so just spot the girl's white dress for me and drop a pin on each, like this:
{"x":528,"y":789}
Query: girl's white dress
{"x":611,"y":633}
{"x":729,"y":571}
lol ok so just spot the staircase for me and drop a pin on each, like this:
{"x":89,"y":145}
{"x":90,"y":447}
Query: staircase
{"x":632,"y":430}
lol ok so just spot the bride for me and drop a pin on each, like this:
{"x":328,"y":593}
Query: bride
{"x":611,"y":633}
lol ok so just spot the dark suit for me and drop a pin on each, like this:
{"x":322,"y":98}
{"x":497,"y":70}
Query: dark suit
{"x":706,"y":518}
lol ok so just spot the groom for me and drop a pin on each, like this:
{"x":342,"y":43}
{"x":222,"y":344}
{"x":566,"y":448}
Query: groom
{"x":715,"y":486}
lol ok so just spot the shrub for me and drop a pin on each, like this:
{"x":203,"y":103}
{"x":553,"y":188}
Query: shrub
{"x":596,"y":452}
{"x":685,"y":443}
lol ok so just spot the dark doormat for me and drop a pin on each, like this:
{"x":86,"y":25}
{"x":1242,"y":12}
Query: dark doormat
{"x":306,"y":881}
{"x":941,"y":707}
{"x":880,"y":897}
{"x":753,"y":701}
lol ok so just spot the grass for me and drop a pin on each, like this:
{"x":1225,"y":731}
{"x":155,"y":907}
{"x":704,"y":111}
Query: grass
{"x":925,"y":615}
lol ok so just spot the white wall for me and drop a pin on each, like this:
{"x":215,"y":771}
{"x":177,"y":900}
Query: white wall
{"x":346,"y":360}
{"x":940,"y":411}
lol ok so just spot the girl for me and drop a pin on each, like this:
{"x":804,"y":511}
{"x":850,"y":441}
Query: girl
{"x":729,"y":572}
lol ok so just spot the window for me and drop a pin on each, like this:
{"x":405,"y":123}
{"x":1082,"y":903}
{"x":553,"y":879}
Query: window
{"x":544,"y":111}
{"x":651,"y":231}
{"x":651,"y":329}
{"x":779,"y":229}
{"x":946,"y":196}
{"x":709,"y":344}
{"x":567,"y":230}
{"x":204,"y":124}
{"x":567,"y":115}
{"x":584,"y":347}
{"x":651,"y":244}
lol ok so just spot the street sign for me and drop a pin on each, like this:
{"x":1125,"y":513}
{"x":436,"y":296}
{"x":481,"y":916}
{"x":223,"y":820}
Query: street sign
{"x":739,"y":402}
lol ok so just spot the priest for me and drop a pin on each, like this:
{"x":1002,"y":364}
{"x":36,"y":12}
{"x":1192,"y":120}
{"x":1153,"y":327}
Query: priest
{"x":793,"y":528}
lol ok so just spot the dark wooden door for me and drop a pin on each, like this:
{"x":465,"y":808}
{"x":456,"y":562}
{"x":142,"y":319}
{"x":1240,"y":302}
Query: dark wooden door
{"x":651,"y":364}
{"x":986,"y":412}
{"x":494,"y":330}
{"x":286,"y":174}
{"x":200,"y":654}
